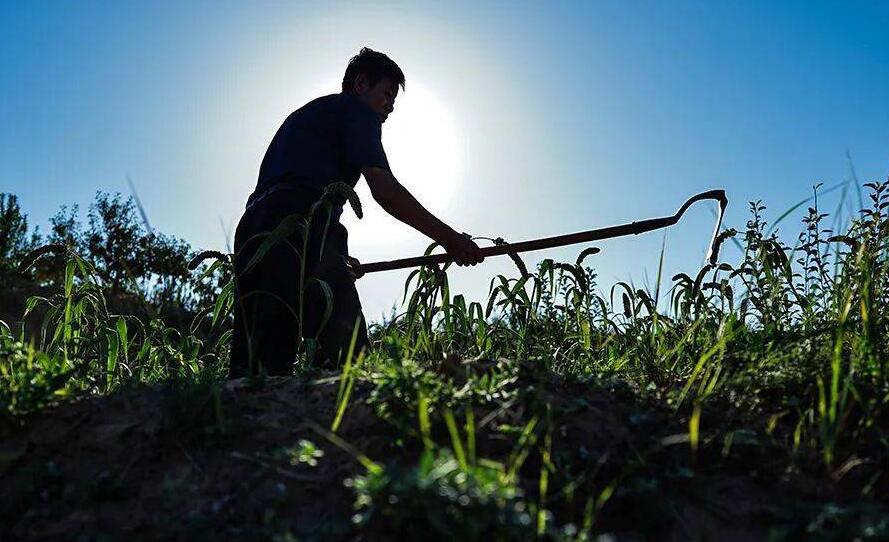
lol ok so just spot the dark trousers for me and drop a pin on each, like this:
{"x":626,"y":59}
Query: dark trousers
{"x":267,"y":296}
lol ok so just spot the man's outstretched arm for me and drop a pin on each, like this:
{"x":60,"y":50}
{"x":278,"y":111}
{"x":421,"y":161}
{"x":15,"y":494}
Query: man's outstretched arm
{"x":395,"y":199}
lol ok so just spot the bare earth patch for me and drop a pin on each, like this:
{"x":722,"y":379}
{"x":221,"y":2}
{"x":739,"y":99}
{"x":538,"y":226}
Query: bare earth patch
{"x":153,"y":463}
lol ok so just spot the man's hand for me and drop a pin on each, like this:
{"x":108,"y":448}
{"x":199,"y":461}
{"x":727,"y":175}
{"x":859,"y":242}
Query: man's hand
{"x":354,"y":268}
{"x":398,"y":202}
{"x":462,"y":249}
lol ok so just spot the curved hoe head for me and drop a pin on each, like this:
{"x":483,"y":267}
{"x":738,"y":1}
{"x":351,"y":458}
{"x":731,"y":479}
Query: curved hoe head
{"x":718,"y":195}
{"x":713,"y":251}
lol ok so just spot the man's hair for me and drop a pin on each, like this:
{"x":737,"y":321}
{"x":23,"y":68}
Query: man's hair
{"x":375,"y":66}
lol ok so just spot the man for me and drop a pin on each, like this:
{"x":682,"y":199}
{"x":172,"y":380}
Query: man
{"x":334,"y":138}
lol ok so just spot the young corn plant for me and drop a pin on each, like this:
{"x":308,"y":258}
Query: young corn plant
{"x":319,"y":215}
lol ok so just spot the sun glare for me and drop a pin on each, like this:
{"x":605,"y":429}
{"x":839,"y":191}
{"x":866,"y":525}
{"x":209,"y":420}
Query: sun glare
{"x":423,"y":147}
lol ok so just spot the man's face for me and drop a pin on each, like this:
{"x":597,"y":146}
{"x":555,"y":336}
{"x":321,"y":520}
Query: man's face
{"x":380,"y":97}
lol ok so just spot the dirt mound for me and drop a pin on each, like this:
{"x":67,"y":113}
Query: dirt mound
{"x":131,"y":465}
{"x":209,"y":462}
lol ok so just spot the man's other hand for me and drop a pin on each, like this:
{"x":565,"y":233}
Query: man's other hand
{"x":462,"y":249}
{"x":354,"y":268}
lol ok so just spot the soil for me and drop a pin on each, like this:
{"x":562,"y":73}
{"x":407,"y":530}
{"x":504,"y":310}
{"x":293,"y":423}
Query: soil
{"x":153,"y":464}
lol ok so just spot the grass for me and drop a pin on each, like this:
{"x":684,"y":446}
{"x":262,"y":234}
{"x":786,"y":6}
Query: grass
{"x":770,"y":366}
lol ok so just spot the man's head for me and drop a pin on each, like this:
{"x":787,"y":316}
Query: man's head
{"x":374,"y":78}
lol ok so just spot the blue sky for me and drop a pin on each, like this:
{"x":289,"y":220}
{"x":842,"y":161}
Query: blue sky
{"x":560,"y":116}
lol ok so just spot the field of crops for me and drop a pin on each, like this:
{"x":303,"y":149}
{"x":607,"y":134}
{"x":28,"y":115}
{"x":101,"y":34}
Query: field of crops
{"x":742,"y":401}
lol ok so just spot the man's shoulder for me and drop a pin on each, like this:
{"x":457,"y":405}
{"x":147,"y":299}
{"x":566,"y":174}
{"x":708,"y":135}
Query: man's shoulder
{"x":333,"y":101}
{"x":322,"y":102}
{"x":342,"y":105}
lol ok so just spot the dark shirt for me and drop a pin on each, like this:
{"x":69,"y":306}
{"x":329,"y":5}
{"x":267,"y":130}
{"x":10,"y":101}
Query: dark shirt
{"x":329,"y":139}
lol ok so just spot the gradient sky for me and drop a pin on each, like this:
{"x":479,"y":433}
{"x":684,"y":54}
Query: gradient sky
{"x":559,"y":117}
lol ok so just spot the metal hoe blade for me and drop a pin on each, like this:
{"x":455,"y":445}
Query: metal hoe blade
{"x":610,"y":232}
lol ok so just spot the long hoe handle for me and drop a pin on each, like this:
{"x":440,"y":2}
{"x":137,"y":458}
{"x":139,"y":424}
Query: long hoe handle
{"x":632,"y":228}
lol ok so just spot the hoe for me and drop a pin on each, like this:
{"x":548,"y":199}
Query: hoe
{"x":632,"y":228}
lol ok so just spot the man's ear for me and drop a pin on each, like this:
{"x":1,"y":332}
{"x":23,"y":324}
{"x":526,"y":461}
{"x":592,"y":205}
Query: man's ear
{"x":361,"y":84}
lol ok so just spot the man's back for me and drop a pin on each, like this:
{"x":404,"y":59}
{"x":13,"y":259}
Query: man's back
{"x":329,"y":139}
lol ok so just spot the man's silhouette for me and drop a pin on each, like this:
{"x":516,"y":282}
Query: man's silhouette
{"x":330,"y":139}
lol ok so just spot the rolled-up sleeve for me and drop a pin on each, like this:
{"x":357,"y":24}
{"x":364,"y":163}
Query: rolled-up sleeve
{"x":362,"y":139}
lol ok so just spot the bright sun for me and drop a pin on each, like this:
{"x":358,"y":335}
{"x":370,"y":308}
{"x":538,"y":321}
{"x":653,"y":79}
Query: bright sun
{"x":424,"y":151}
